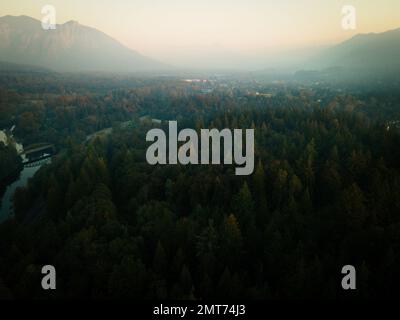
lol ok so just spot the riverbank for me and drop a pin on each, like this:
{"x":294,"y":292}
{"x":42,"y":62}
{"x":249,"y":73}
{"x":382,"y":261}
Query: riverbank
{"x":6,"y":206}
{"x":6,"y":181}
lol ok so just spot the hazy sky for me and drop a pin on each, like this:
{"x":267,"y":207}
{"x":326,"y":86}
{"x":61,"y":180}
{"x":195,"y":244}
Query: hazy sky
{"x":168,"y":28}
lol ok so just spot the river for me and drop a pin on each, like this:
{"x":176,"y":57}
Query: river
{"x":6,"y":210}
{"x":6,"y":206}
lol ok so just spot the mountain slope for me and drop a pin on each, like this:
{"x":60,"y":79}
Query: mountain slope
{"x":70,"y":47}
{"x":373,"y":52}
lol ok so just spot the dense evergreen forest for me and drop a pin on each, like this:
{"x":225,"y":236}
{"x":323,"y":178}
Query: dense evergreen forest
{"x":10,"y":164}
{"x":324,"y":194}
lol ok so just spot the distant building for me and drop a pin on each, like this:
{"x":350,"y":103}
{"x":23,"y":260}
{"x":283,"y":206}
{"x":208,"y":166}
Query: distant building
{"x":266,"y":95}
{"x":206,"y":90}
{"x":153,"y":120}
{"x":394,"y":124}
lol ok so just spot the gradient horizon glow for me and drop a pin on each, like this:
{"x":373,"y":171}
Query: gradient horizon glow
{"x":165,"y":29}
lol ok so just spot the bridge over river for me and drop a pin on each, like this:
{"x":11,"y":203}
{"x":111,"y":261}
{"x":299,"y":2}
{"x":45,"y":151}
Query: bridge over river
{"x":35,"y":154}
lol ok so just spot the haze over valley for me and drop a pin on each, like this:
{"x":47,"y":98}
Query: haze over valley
{"x":77,"y":48}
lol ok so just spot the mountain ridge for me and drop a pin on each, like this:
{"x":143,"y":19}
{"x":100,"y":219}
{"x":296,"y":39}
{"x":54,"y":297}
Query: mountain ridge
{"x":70,"y":47}
{"x":372,"y":52}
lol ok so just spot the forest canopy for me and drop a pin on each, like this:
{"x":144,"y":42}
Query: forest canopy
{"x":324,"y":194}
